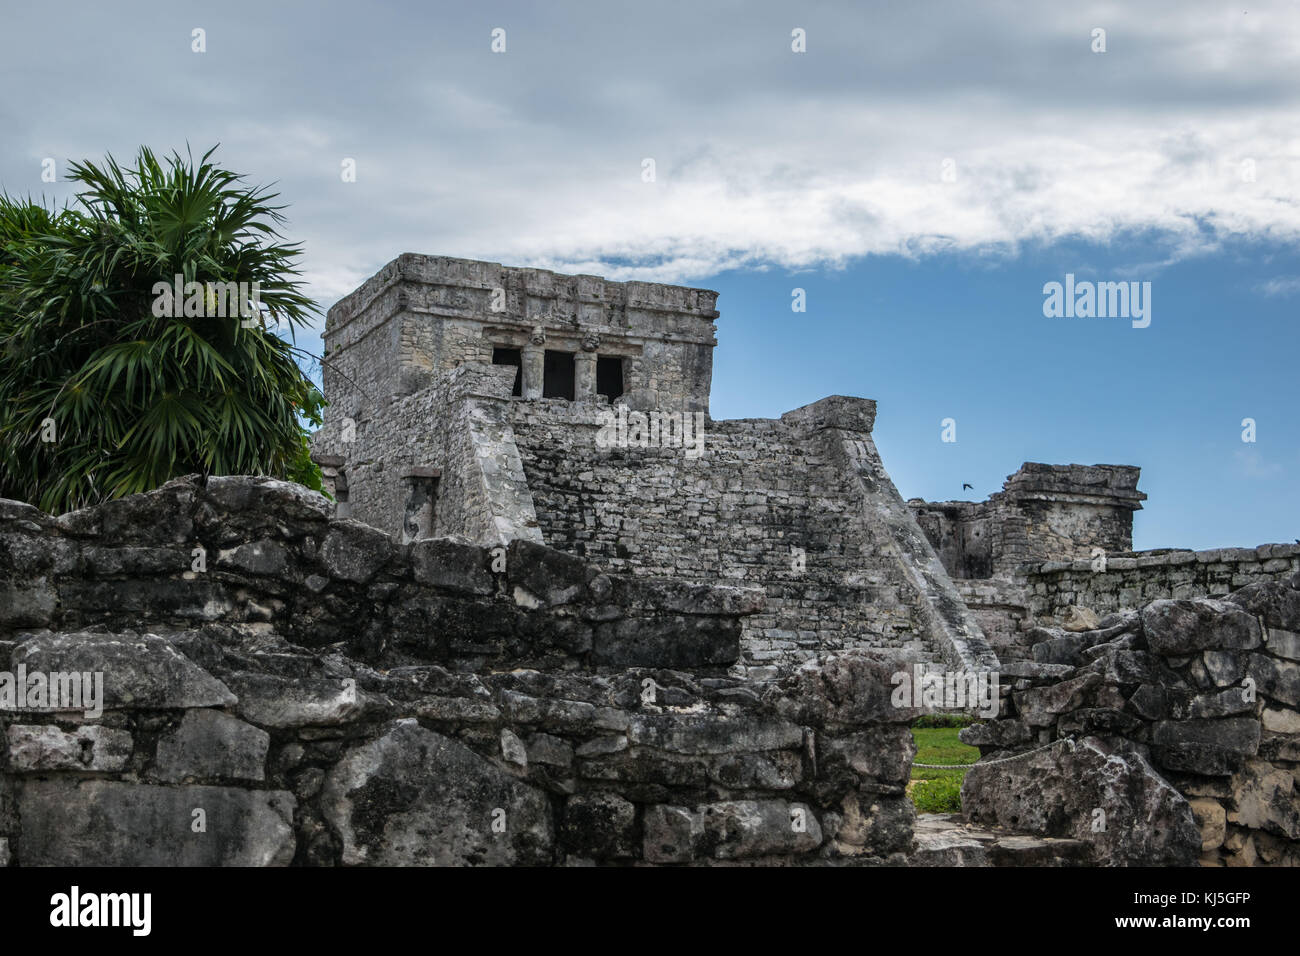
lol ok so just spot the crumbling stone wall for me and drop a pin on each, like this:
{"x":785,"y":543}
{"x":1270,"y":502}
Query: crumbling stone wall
{"x":315,"y":692}
{"x":1162,"y":737}
{"x":1048,"y":593}
{"x":800,"y":506}
{"x":1132,"y":579}
{"x":1044,"y":512}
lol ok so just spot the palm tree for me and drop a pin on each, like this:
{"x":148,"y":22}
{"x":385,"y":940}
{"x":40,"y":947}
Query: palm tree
{"x":110,"y":385}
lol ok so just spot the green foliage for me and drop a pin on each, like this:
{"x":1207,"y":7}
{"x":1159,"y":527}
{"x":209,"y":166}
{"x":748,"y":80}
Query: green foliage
{"x":939,"y":791}
{"x":944,"y":720}
{"x":136,"y":398}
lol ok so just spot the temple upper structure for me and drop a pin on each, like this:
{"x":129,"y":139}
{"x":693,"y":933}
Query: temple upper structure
{"x":580,"y":338}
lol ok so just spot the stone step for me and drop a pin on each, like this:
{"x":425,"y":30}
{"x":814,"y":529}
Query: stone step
{"x":945,"y":839}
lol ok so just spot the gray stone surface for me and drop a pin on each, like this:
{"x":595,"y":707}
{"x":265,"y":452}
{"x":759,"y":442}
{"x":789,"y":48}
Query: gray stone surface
{"x":416,"y":798}
{"x":279,"y":702}
{"x":210,"y":745}
{"x":141,"y":670}
{"x":1057,"y":792}
{"x":47,"y":747}
{"x":81,"y":823}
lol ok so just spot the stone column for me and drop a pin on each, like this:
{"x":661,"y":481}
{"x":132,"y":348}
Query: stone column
{"x":533,"y":356}
{"x":584,"y":377}
{"x":584,"y":369}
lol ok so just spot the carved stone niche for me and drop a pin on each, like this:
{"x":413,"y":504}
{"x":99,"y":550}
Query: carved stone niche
{"x":421,"y":502}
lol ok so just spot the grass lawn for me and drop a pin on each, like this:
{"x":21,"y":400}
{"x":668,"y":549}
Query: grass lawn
{"x":939,"y":791}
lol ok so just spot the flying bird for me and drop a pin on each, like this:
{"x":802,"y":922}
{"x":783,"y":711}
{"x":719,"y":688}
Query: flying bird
{"x":964,"y":486}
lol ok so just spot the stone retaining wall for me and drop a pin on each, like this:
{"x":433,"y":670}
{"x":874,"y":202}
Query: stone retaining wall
{"x":1132,"y":579}
{"x":1163,"y":737}
{"x":319,"y":694}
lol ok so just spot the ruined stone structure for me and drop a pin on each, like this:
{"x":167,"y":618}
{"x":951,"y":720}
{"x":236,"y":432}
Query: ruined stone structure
{"x":801,"y":507}
{"x":1043,"y":513}
{"x":555,"y":614}
{"x":1059,"y":538}
{"x":1164,"y":736}
{"x":329,"y":696}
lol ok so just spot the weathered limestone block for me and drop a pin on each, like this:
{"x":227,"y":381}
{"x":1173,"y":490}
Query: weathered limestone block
{"x":671,"y":834}
{"x":1282,"y":643}
{"x":1149,"y":701}
{"x":451,"y":565}
{"x":1277,"y":679}
{"x":875,"y":824}
{"x":1279,"y":747}
{"x":730,"y":830}
{"x":416,"y":798}
{"x":1281,"y":720}
{"x":141,"y":671}
{"x":1184,"y":627}
{"x":599,"y":826}
{"x":996,"y":734}
{"x":1225,"y":703}
{"x":30,"y":605}
{"x":1210,"y":747}
{"x":1225,"y":667}
{"x":211,"y":745}
{"x":849,"y":688}
{"x":876,"y":756}
{"x":242,"y":494}
{"x":262,"y":557}
{"x":1265,"y":798}
{"x":1277,"y":604}
{"x":687,"y":734}
{"x":779,"y":770}
{"x":1213,"y":821}
{"x":270,"y":701}
{"x":1056,"y":792}
{"x":1100,"y":721}
{"x":355,"y":552}
{"x":1041,"y":706}
{"x":551,"y":576}
{"x":68,"y":822}
{"x":671,"y":641}
{"x":550,"y":750}
{"x":679,"y":597}
{"x":47,"y":747}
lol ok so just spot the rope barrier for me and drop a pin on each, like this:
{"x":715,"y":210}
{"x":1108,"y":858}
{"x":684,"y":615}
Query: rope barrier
{"x":991,"y":763}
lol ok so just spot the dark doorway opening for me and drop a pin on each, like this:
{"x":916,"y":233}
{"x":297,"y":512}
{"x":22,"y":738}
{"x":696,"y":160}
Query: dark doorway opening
{"x":511,"y":357}
{"x":557,"y":375}
{"x":609,"y":377}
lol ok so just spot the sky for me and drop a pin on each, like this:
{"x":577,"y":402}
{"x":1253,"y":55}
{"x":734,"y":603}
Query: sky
{"x":921,"y":170}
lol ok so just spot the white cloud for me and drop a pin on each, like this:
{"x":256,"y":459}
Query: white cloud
{"x":1252,"y":464}
{"x":1281,"y":286}
{"x":1183,"y":131}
